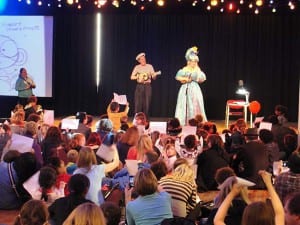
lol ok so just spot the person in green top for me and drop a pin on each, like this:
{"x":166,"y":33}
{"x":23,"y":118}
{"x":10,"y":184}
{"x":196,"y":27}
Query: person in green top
{"x":24,"y":86}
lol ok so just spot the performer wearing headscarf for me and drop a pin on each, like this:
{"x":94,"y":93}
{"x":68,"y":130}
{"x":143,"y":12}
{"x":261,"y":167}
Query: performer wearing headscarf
{"x":190,"y":99}
{"x":143,"y":73}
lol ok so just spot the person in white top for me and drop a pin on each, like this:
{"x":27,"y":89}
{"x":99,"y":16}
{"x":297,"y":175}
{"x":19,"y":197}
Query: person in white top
{"x":143,"y":73}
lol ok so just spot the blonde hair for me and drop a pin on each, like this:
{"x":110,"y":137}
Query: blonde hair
{"x":86,"y":158}
{"x":184,"y":173}
{"x":86,"y":214}
{"x":144,"y":145}
{"x":18,"y":117}
{"x":72,"y":155}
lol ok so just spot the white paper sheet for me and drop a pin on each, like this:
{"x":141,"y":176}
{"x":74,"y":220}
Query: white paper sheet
{"x":68,"y":123}
{"x":161,"y":127}
{"x":21,"y":143}
{"x":121,"y":99}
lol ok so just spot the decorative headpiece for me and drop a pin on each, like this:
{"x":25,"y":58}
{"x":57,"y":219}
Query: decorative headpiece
{"x":191,"y":54}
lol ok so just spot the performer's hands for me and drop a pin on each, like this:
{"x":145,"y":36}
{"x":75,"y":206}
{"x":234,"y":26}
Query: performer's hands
{"x":32,"y":86}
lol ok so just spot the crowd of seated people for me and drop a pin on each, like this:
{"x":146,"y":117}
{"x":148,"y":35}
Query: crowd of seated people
{"x":76,"y":169}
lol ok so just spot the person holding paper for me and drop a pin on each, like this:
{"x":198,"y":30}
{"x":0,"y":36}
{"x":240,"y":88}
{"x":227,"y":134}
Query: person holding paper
{"x":24,"y":86}
{"x":190,"y":99}
{"x":114,"y":114}
{"x":143,"y":73}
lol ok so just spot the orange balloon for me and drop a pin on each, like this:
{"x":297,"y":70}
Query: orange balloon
{"x":254,"y":107}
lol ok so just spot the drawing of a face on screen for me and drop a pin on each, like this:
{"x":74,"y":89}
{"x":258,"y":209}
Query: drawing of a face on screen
{"x":11,"y":58}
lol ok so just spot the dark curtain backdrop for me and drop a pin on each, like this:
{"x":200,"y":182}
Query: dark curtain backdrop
{"x":262,"y":50}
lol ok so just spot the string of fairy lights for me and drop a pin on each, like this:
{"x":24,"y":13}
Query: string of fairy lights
{"x":232,"y":6}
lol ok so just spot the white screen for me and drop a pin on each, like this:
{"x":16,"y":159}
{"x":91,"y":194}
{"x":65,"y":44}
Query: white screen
{"x":26,"y":41}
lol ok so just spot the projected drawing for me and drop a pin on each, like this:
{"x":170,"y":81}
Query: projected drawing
{"x":11,"y":58}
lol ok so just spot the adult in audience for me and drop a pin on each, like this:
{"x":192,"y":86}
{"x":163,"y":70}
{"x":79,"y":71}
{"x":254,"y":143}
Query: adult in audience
{"x":53,"y":144}
{"x":112,"y":213}
{"x":32,"y":107}
{"x":238,"y":204}
{"x":292,"y":209}
{"x":86,"y":213}
{"x":17,"y":122}
{"x":144,"y":145}
{"x":77,"y":141}
{"x":251,"y":158}
{"x":256,"y":213}
{"x":33,"y":212}
{"x":22,"y":168}
{"x":180,"y":184}
{"x":288,"y":182}
{"x":82,"y":127}
{"x":103,"y":127}
{"x":129,"y":139}
{"x":61,"y":208}
{"x":209,"y":161}
{"x":151,"y":206}
{"x":87,"y":165}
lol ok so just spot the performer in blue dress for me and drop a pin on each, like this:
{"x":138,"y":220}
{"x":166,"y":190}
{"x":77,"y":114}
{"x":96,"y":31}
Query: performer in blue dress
{"x":190,"y":99}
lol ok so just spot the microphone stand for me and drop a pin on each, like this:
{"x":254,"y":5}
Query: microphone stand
{"x":186,"y":100}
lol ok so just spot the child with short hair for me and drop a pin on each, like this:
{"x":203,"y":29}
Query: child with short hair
{"x":114,"y":114}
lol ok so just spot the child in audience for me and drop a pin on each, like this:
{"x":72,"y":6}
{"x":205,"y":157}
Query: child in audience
{"x":61,"y":208}
{"x":112,"y":213}
{"x":72,"y":157}
{"x":33,"y":212}
{"x":62,"y":175}
{"x":114,"y":114}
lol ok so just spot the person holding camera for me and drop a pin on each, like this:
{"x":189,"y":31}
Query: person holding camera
{"x":24,"y":86}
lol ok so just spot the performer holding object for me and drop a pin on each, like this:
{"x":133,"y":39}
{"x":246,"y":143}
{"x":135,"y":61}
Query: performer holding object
{"x":143,"y":73}
{"x":190,"y":99}
{"x":24,"y":86}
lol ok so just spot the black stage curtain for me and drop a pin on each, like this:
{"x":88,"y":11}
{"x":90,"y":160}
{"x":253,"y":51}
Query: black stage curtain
{"x":262,"y":50}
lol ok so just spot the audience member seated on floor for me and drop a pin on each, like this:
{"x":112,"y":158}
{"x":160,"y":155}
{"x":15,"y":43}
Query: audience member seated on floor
{"x":32,"y":107}
{"x":209,"y":161}
{"x":5,"y":137}
{"x":103,"y":127}
{"x":256,"y":213}
{"x":31,"y":129}
{"x":144,"y":145}
{"x":236,"y":139}
{"x":87,"y":164}
{"x":151,"y":206}
{"x":89,"y":121}
{"x":72,"y":157}
{"x":48,"y":191}
{"x":159,"y":168}
{"x":292,"y":209}
{"x":210,"y":127}
{"x":170,"y":155}
{"x":129,"y":139}
{"x":251,"y":158}
{"x":53,"y":144}
{"x":62,"y":175}
{"x":140,"y":119}
{"x":112,"y":213}
{"x":114,"y":114}
{"x":60,"y":209}
{"x":82,"y":128}
{"x":86,"y":213}
{"x":94,"y":141}
{"x":17,"y":122}
{"x":223,"y":173}
{"x":11,"y":155}
{"x":290,"y":143}
{"x":22,"y":168}
{"x":279,"y":131}
{"x":237,"y":206}
{"x":180,"y":184}
{"x":191,"y":149}
{"x":77,"y":141}
{"x":281,"y":113}
{"x":267,"y":138}
{"x":288,"y":182}
{"x":33,"y":212}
